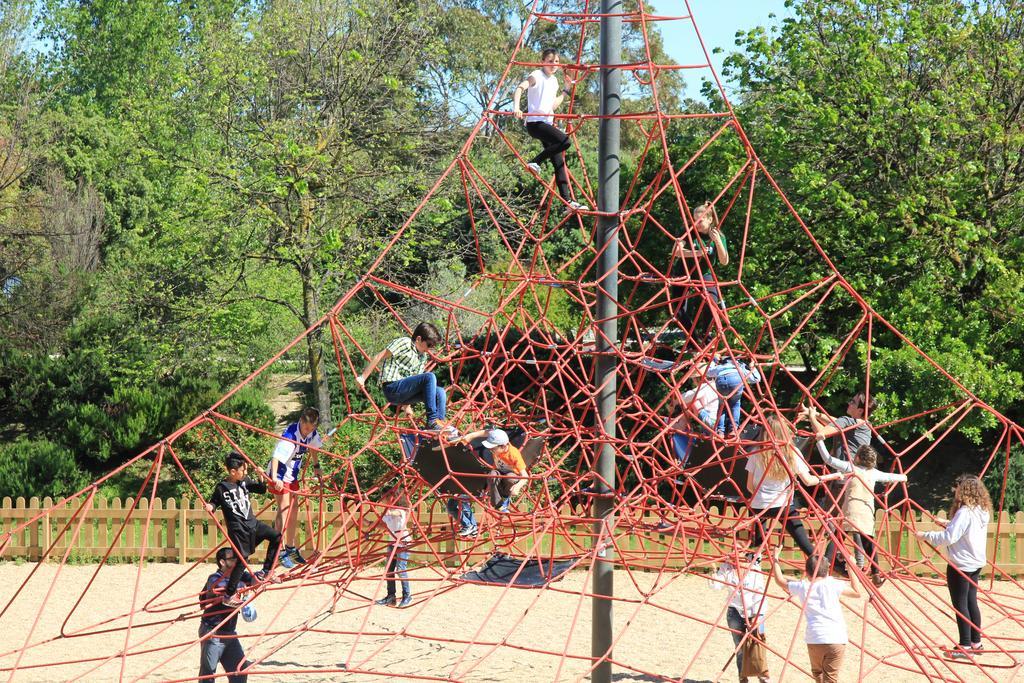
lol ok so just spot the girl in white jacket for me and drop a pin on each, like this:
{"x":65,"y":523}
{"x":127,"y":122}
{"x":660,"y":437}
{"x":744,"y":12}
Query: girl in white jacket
{"x":965,"y":534}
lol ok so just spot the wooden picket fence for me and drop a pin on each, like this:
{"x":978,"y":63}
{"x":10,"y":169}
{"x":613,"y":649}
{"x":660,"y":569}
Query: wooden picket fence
{"x":181,"y":531}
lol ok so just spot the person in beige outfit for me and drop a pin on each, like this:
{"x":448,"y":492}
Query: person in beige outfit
{"x":858,"y":498}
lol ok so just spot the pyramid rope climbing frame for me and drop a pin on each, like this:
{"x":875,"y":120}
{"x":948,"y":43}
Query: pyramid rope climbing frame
{"x":607,"y":492}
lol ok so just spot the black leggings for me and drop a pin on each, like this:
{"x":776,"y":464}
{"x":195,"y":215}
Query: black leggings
{"x":963,"y":592}
{"x":867,"y":547}
{"x":794,"y":526}
{"x":262,"y":532}
{"x":555,"y":143}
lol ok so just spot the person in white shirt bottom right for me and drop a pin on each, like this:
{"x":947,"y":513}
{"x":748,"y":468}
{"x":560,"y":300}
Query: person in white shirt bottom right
{"x":819,"y":594}
{"x":966,"y":535}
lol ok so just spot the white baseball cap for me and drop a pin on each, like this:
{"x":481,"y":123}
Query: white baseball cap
{"x":495,"y":437}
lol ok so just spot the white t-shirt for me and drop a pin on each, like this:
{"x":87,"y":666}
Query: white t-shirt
{"x":822,"y":609}
{"x":747,"y":595}
{"x":540,"y":97}
{"x":395,"y":519}
{"x":704,"y":397}
{"x":772,"y":493}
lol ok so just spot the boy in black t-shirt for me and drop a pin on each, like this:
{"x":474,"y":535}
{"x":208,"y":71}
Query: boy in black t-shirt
{"x":244,"y":530}
{"x":223,"y":647}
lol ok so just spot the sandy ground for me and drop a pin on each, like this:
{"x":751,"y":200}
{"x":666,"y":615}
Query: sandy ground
{"x":462,"y":632}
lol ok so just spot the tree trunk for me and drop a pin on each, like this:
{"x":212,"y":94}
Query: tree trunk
{"x":314,"y":346}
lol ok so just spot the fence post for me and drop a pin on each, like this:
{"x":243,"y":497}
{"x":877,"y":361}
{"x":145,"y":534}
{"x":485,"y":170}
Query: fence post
{"x":45,"y":539}
{"x":183,"y":531}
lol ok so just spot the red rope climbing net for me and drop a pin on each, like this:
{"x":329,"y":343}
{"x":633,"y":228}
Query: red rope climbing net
{"x":674,"y":522}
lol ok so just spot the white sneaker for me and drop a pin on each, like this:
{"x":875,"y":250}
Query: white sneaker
{"x":576,"y":206}
{"x":534,"y":167}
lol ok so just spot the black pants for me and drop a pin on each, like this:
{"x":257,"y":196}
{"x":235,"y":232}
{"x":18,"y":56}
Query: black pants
{"x":555,"y":143}
{"x":794,"y":526}
{"x":867,"y":547}
{"x":963,"y":592}
{"x":246,"y":546}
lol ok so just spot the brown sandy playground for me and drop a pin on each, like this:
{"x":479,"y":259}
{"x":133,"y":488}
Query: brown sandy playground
{"x":305,"y":641}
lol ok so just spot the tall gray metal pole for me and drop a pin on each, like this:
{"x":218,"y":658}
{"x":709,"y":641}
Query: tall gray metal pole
{"x":607,"y":243}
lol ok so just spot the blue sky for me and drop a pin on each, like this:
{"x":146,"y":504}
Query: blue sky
{"x":718,"y":21}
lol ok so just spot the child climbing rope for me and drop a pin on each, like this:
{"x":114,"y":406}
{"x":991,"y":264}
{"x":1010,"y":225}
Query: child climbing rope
{"x":858,"y":498}
{"x":244,"y":531}
{"x":966,"y":536}
{"x":705,"y":220}
{"x":543,"y":97}
{"x":700,"y":403}
{"x":770,"y":471}
{"x":819,"y":593}
{"x":403,"y":374}
{"x":731,"y":377}
{"x":284,"y":470}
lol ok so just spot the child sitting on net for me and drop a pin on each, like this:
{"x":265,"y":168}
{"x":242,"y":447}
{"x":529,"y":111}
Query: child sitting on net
{"x":403,"y":374}
{"x":858,"y":497}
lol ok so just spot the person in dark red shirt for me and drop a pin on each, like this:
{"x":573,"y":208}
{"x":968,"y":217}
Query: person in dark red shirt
{"x":217,"y":625}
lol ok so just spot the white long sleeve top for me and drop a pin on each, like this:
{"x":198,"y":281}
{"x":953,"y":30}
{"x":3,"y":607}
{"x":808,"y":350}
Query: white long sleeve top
{"x":966,"y":536}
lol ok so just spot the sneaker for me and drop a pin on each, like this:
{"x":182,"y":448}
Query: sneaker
{"x":233,"y":601}
{"x":959,"y":652}
{"x":664,"y":526}
{"x":468,"y":531}
{"x":284,"y":559}
{"x":406,"y":601}
{"x":386,"y":601}
{"x":264,"y":575}
{"x":534,"y":167}
{"x":878,"y":580}
{"x":576,"y":206}
{"x":449,"y":433}
{"x":296,"y":556}
{"x":977,"y":648}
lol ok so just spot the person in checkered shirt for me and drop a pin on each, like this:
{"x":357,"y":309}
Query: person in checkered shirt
{"x":403,"y":374}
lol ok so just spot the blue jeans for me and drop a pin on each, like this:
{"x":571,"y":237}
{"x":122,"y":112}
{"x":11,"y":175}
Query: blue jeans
{"x":730,"y":386}
{"x":421,"y":387}
{"x":739,"y":626}
{"x":462,"y":509}
{"x":224,"y":651}
{"x":398,"y":563}
{"x":682,"y":444}
{"x":410,"y":445}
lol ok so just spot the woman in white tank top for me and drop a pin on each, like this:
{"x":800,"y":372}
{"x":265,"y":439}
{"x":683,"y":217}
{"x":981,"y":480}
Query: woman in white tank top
{"x":543,"y":97}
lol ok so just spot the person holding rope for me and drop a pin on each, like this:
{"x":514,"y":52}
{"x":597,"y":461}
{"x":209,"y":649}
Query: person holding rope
{"x":707,"y":224}
{"x":222,"y":647}
{"x":819,"y":594}
{"x":858,"y":498}
{"x":404,"y":378}
{"x":543,"y":97}
{"x":746,"y":611}
{"x":965,"y":535}
{"x":770,"y":472}
{"x":284,"y":471}
{"x":244,"y":531}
